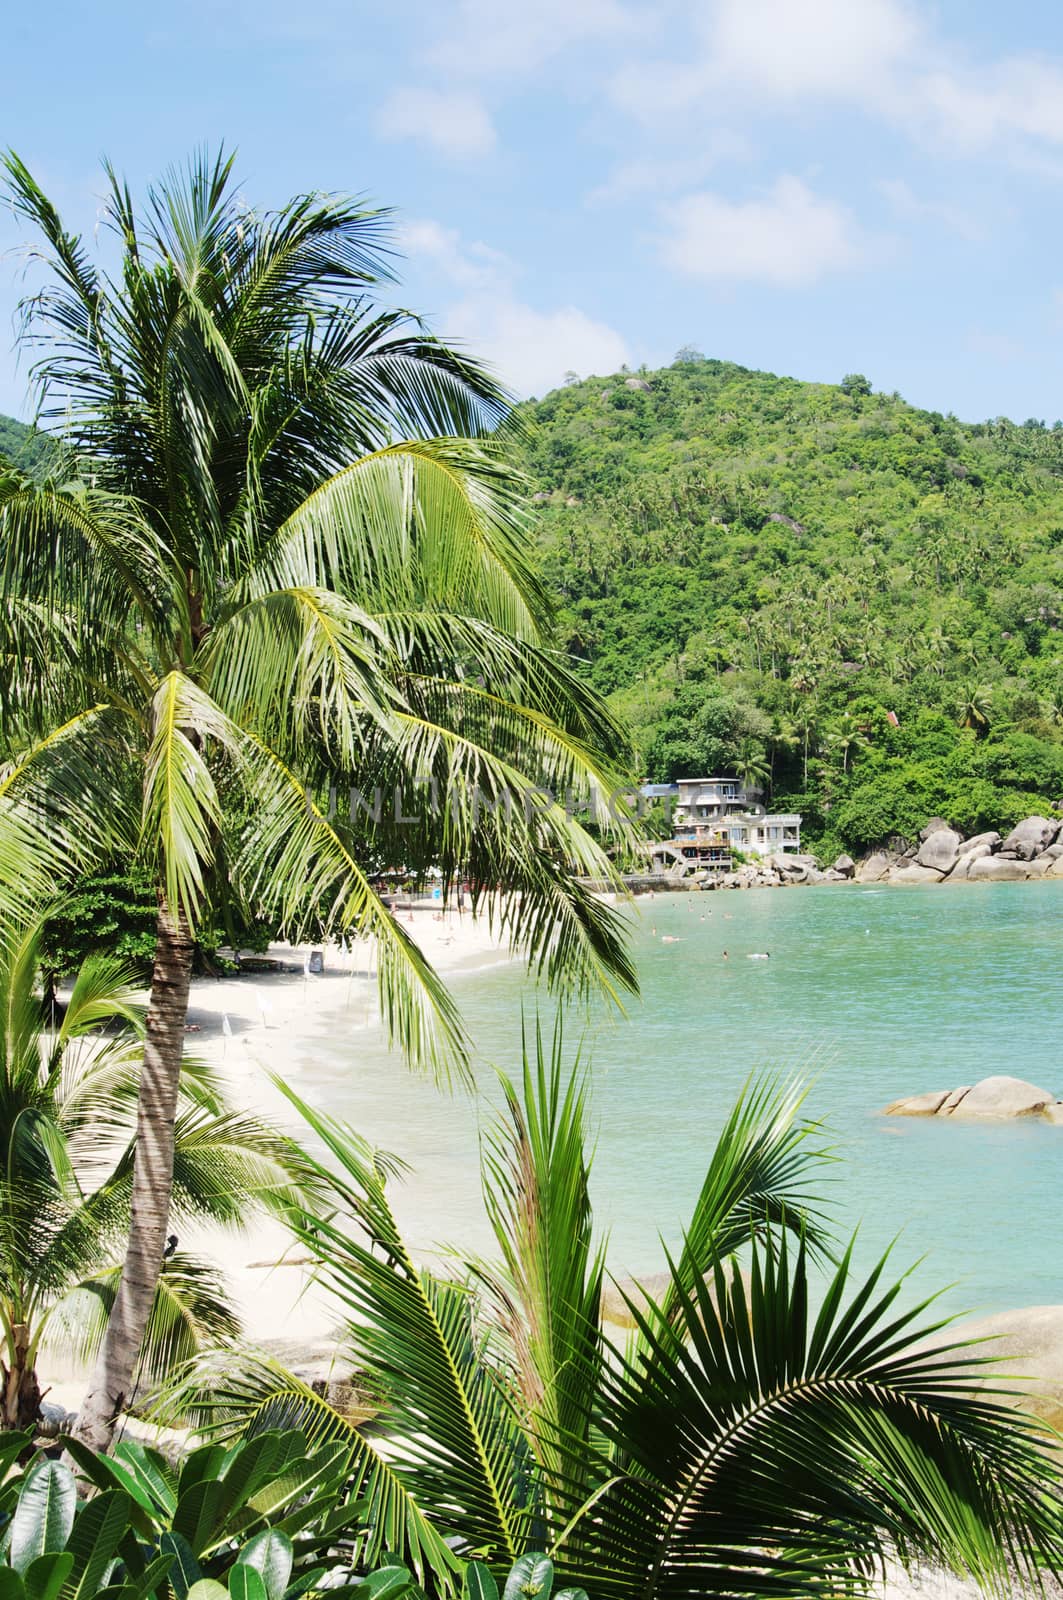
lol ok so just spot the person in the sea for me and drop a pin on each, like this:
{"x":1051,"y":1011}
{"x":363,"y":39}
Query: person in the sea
{"x":725,"y":955}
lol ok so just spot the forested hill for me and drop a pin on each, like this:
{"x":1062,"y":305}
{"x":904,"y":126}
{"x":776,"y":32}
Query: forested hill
{"x":20,"y":444}
{"x":768,"y":574}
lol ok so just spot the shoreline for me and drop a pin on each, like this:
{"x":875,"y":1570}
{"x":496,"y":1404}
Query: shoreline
{"x":274,"y":1020}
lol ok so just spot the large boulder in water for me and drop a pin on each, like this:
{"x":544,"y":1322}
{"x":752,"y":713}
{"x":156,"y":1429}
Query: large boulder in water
{"x":918,"y":1105}
{"x":966,"y":861}
{"x":875,"y":867}
{"x":990,"y":841}
{"x":914,"y":872}
{"x":1029,"y":838}
{"x":1001,"y":1097}
{"x":999,"y":869}
{"x":998,"y":1099}
{"x":939,"y":850}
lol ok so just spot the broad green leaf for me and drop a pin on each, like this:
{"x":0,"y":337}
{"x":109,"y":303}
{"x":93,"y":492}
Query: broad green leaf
{"x":387,"y":1583}
{"x":94,"y":1542}
{"x":270,"y":1554}
{"x":530,"y":1575}
{"x":208,"y":1589}
{"x":11,"y":1585}
{"x":197,"y":1513}
{"x":186,"y":1569}
{"x":479,"y":1582}
{"x":202,"y":1463}
{"x":245,"y":1583}
{"x":148,"y":1470}
{"x":44,"y":1514}
{"x":46,"y":1576}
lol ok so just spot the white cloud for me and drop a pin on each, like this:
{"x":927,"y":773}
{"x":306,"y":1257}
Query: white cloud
{"x":1015,"y":98}
{"x":484,"y":38}
{"x":455,"y":122}
{"x":664,"y":176}
{"x":530,"y":348}
{"x":843,"y":48}
{"x":906,"y":205}
{"x":790,"y":237}
{"x":785,"y":49}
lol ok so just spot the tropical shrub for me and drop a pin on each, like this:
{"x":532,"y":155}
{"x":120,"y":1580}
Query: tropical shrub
{"x":774,"y":1426}
{"x":68,"y":1097}
{"x":271,"y":1518}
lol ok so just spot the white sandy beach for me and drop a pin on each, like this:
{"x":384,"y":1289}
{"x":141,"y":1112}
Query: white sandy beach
{"x":257,"y":1023}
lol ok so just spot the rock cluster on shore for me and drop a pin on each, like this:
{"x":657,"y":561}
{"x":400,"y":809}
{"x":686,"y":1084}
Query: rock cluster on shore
{"x":995,"y":1099}
{"x":1033,"y":849}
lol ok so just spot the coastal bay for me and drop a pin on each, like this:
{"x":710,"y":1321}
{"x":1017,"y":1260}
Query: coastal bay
{"x":870,"y":992}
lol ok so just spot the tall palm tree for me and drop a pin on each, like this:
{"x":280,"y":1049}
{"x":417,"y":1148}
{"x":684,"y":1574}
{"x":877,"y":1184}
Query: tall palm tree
{"x":285,"y":551}
{"x":68,"y":1093}
{"x":741,"y":1444}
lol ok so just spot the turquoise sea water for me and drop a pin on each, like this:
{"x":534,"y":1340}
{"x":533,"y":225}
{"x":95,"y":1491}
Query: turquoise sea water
{"x":875,"y":992}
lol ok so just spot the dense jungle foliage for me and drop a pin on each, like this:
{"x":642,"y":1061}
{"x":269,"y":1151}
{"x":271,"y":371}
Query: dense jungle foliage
{"x":855,"y":603}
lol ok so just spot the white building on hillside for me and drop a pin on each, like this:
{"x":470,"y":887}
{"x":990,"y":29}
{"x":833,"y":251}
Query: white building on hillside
{"x":712,"y":817}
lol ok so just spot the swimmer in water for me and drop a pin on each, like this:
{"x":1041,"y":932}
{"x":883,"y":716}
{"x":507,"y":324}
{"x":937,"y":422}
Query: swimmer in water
{"x":759,"y":955}
{"x":725,"y":955}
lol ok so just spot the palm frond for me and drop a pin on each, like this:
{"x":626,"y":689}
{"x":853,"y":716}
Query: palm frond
{"x":764,"y":1449}
{"x":233,"y":1395}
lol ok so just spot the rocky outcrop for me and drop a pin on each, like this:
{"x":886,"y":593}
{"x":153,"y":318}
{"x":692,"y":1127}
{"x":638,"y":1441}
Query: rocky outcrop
{"x":875,"y":867}
{"x":998,"y":869}
{"x":845,"y":866}
{"x":995,"y":1099}
{"x":914,"y":872}
{"x":986,"y":842}
{"x":1029,"y":838}
{"x":939,"y":850}
{"x":1033,"y":849}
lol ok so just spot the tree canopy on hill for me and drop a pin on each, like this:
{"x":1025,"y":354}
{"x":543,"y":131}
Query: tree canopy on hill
{"x":21,"y":444}
{"x":861,"y":597}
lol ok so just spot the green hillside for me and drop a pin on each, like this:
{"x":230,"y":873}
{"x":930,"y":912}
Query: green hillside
{"x":21,"y":444}
{"x":765,"y":573}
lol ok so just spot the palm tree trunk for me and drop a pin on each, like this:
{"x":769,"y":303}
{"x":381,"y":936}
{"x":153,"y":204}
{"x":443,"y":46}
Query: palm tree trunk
{"x":112,"y":1383}
{"x":20,"y":1398}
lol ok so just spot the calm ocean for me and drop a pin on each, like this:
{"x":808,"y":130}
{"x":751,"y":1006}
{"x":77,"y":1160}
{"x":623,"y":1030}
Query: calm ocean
{"x":873,"y":992}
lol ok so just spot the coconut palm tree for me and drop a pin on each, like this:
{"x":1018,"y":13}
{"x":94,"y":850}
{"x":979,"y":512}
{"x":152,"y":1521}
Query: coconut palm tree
{"x":68,"y":1093}
{"x":741,"y":1443}
{"x":284,"y":553}
{"x":976,"y":707}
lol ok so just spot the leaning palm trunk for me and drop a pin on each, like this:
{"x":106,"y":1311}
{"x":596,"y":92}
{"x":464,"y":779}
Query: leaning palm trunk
{"x":290,"y":551}
{"x":112,"y":1383}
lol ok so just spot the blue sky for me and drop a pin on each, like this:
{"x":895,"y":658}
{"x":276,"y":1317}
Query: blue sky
{"x":808,"y":186}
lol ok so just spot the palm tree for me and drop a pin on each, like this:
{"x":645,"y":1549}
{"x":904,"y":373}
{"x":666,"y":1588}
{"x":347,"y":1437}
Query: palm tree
{"x":847,"y":737}
{"x":68,"y":1092}
{"x":741,"y":1444}
{"x":285,"y":551}
{"x":976,"y":708}
{"x":750,"y":765}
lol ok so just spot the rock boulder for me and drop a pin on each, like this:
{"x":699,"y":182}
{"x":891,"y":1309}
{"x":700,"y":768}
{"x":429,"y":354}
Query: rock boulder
{"x":966,"y":861}
{"x":976,"y":842}
{"x":998,"y":869}
{"x":998,"y":1099}
{"x":1029,"y":838}
{"x":845,"y":865}
{"x":933,"y":826}
{"x":875,"y":867}
{"x":913,"y":872}
{"x":939,"y":849}
{"x":1004,"y":1097}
